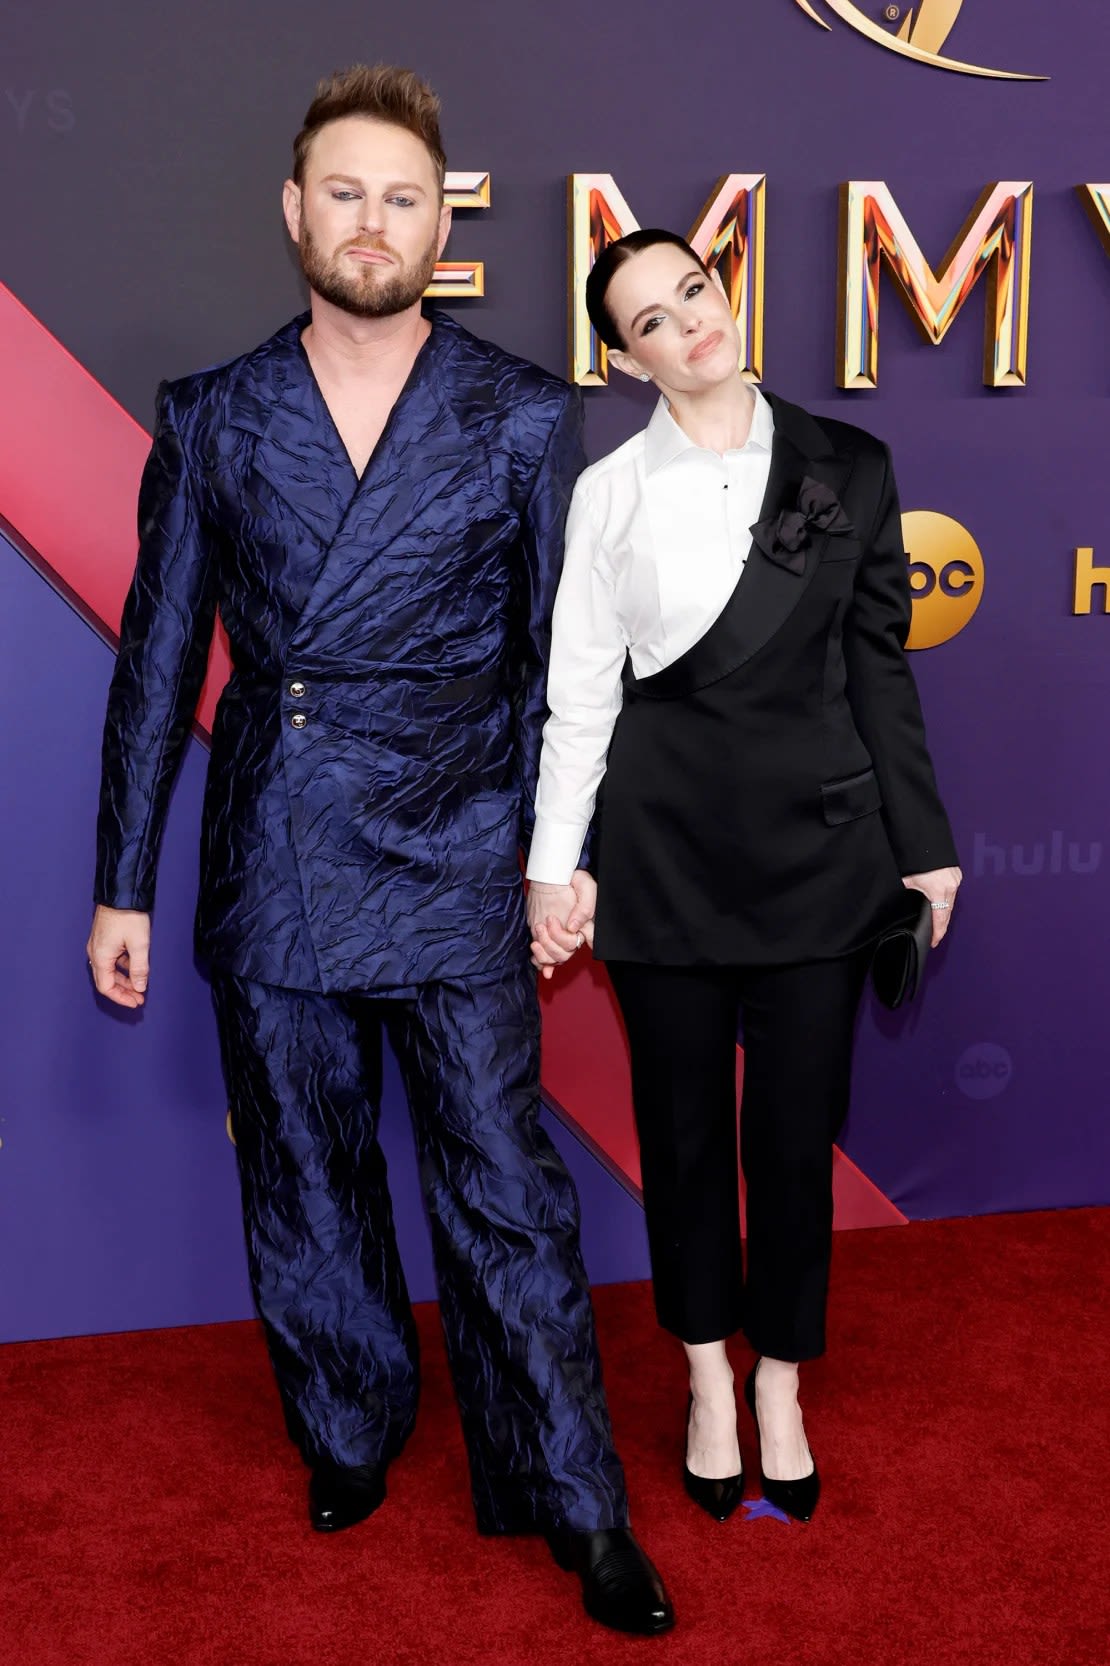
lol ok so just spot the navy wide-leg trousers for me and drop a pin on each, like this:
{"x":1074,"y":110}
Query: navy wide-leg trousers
{"x":304,"y":1078}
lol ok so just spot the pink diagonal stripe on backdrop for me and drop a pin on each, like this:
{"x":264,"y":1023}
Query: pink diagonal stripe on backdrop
{"x":70,"y":461}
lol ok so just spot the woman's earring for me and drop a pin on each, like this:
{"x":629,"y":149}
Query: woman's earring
{"x":644,"y":377}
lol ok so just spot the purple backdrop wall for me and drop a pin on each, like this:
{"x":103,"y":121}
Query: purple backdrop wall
{"x":142,"y":154}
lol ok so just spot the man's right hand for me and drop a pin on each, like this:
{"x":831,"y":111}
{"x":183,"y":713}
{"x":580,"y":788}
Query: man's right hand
{"x":119,"y":954}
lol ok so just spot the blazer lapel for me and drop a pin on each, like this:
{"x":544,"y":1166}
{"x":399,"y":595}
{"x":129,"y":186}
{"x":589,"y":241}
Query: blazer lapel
{"x":297,"y":451}
{"x":422,"y":449}
{"x":766,"y":594}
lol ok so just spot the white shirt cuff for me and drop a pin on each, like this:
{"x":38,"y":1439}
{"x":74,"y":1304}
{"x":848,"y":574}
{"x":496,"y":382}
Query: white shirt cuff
{"x":554,"y":851}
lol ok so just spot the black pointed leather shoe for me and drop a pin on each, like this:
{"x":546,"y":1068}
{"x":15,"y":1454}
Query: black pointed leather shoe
{"x":718,"y":1498}
{"x":340,"y":1495}
{"x":795,"y":1498}
{"x":620,"y":1587}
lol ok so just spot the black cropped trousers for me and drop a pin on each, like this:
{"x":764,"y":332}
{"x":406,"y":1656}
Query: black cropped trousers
{"x":797,"y":1025}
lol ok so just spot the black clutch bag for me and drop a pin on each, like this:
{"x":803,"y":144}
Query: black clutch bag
{"x":899,"y":957}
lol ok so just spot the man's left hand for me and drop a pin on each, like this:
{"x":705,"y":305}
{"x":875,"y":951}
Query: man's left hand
{"x":940,"y":886}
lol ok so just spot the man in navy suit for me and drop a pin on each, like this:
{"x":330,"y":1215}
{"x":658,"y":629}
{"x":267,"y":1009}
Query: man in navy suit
{"x":374,"y":500}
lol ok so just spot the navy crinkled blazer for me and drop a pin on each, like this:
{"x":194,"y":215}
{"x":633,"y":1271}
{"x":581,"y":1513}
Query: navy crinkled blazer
{"x":374,"y":754}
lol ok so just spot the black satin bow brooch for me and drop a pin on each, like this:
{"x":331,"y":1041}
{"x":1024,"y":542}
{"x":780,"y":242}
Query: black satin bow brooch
{"x":784,"y":538}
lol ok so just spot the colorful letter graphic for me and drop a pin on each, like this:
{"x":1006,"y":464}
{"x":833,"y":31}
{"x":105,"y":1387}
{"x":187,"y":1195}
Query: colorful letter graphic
{"x":462,"y":279}
{"x":727,"y":234}
{"x":1096,"y":201}
{"x":996,"y":239}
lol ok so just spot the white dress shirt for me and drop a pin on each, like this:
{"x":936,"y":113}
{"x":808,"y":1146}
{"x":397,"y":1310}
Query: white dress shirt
{"x":657,"y":537}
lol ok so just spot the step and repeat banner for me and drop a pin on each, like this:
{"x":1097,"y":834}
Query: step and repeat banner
{"x":910,"y":208}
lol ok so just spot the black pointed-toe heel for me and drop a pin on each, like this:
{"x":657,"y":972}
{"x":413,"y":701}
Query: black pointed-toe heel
{"x":718,"y":1498}
{"x":795,"y":1498}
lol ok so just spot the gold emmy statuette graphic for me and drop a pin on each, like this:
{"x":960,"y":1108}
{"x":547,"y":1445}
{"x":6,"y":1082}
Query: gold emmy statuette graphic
{"x":924,"y":30}
{"x":946,"y":576}
{"x":230,"y":1129}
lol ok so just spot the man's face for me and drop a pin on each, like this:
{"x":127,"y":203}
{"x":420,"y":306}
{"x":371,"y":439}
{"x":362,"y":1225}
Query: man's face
{"x":367,"y":220}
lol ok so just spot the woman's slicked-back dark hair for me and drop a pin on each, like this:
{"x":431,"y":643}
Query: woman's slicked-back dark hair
{"x":614,"y":255}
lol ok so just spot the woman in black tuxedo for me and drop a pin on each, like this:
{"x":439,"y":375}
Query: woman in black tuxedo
{"x":728,"y":668}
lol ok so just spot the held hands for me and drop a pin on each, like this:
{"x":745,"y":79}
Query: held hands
{"x":119,"y":954}
{"x":561,"y":919}
{"x":940,"y":887}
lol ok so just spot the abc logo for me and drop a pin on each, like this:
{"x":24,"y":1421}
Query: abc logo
{"x":983,"y":1070}
{"x":946,"y":576}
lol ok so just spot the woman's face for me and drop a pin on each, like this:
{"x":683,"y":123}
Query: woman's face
{"x":675,"y":322}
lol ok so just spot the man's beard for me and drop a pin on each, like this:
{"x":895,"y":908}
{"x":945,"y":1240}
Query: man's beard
{"x":368,"y":291}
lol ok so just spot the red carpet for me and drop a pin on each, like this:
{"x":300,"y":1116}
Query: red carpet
{"x":154,"y":1512}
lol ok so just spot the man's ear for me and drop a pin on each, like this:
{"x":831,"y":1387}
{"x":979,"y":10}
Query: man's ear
{"x":444,"y":228}
{"x":625,"y":362}
{"x":291,"y":208}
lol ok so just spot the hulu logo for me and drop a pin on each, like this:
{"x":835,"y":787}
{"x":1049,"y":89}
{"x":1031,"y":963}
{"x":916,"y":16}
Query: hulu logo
{"x":1054,"y":855}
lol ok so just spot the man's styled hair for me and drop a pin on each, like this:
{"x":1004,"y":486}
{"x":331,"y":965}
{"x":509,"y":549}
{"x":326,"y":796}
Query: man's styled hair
{"x":381,"y":91}
{"x":604,"y":268}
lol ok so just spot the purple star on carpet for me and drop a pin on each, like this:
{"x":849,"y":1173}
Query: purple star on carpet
{"x":755,"y":1508}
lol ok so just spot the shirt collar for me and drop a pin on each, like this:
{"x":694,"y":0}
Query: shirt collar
{"x":664,"y":440}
